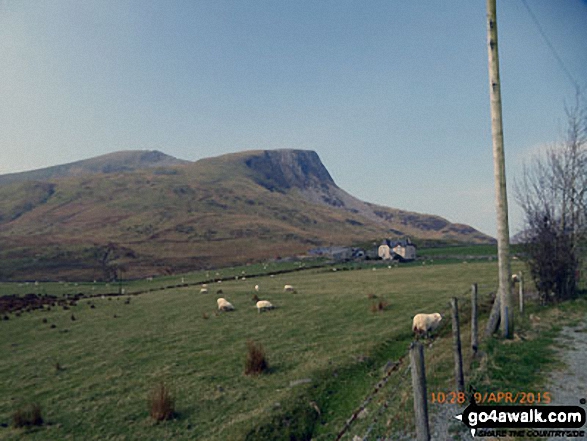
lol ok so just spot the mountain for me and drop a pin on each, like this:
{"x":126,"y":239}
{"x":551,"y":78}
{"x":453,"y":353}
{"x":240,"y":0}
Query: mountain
{"x":117,"y":162}
{"x":226,"y":210}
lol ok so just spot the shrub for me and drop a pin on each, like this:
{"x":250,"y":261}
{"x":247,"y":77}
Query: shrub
{"x":256,"y":362}
{"x":29,"y":415}
{"x":381,"y":305}
{"x":161,"y":403}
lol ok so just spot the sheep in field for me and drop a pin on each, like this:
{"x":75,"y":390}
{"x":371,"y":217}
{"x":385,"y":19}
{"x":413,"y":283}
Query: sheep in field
{"x":257,"y":288}
{"x":224,"y":305}
{"x":426,"y":323}
{"x":288,"y":288}
{"x":203,"y":290}
{"x":515,"y":278}
{"x":264,"y":305}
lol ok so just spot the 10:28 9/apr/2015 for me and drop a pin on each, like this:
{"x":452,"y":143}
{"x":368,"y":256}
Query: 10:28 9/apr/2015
{"x":453,"y":397}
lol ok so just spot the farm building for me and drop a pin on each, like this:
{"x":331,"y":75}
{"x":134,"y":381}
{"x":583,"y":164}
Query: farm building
{"x":338,"y":253}
{"x":400,"y":250}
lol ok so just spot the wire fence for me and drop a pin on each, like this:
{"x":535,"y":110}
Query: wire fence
{"x":387,"y":410}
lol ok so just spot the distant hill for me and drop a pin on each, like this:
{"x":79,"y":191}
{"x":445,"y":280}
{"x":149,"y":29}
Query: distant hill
{"x":154,"y":214}
{"x":116,"y":162}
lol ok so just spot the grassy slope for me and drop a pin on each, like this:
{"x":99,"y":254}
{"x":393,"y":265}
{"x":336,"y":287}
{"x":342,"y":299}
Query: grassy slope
{"x":109,"y":364}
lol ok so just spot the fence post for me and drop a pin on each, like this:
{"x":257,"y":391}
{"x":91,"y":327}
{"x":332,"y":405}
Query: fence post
{"x":420,"y":393}
{"x":494,"y":318}
{"x":521,"y":292}
{"x":456,"y":333}
{"x":474,"y":323}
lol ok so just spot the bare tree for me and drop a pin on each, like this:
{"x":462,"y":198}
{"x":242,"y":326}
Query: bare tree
{"x":553,"y":196}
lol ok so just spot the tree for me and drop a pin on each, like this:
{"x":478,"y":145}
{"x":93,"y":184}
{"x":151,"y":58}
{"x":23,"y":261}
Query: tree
{"x":553,"y":196}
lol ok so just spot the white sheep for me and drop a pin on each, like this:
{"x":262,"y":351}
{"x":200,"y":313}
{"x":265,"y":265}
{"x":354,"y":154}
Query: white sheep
{"x":264,"y":305}
{"x":204,"y":291}
{"x":515,"y":278}
{"x":426,"y":323}
{"x":257,"y":288}
{"x":288,"y":288}
{"x":224,"y":305}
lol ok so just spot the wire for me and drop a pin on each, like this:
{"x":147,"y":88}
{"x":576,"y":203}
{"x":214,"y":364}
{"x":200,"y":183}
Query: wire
{"x":550,"y":45}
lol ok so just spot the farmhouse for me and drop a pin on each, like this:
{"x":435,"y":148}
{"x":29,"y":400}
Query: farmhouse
{"x":399,"y":250}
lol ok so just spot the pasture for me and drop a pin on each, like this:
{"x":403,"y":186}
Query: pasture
{"x":325,"y":347}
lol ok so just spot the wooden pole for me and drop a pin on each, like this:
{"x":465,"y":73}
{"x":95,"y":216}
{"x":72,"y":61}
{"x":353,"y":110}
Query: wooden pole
{"x":456,"y":333}
{"x":521,"y":282}
{"x":494,"y":318}
{"x":474,"y":323}
{"x":420,"y":393}
{"x":501,"y":204}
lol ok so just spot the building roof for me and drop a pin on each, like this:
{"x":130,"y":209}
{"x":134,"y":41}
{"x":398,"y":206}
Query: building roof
{"x":393,"y":243}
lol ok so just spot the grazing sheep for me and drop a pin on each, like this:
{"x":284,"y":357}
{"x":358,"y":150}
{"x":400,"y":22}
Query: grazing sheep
{"x":264,"y":305}
{"x":288,"y":288}
{"x":426,"y":323}
{"x":203,"y":290}
{"x":224,"y":305}
{"x":257,"y":288}
{"x":515,"y":278}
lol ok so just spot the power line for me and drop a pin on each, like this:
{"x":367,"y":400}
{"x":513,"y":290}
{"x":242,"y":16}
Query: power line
{"x":550,"y":45}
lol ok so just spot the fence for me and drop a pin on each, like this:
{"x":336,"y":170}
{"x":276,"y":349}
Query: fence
{"x":388,"y":402}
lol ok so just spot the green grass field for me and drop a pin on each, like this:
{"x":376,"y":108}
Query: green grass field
{"x":325,"y":335}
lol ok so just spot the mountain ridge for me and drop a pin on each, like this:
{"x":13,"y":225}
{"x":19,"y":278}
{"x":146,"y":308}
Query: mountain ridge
{"x":115,"y":162}
{"x":229,"y":209}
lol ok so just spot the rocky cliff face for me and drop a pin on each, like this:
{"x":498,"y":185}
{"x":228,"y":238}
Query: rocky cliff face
{"x":281,"y":170}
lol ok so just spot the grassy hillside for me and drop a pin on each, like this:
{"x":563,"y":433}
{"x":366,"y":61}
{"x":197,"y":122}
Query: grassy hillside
{"x":213,"y":213}
{"x":325,"y":335}
{"x":116,"y":162}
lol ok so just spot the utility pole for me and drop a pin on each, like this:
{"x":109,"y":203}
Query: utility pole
{"x":501,"y":204}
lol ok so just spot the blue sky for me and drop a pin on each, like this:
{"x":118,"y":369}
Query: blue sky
{"x":393,"y":95}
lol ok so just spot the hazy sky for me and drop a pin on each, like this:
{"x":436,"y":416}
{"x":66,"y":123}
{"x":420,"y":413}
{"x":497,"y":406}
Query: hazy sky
{"x":393,"y":95}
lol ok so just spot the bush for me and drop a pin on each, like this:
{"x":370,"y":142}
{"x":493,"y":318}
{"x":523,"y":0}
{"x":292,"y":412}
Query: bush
{"x":161,"y":403}
{"x":379,"y":306}
{"x":256,"y":362}
{"x":27,"y":416}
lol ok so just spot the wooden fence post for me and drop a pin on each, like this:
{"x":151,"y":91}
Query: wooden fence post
{"x":456,"y":333}
{"x":420,"y":393}
{"x":521,"y":292}
{"x":474,"y":323}
{"x":494,"y":318}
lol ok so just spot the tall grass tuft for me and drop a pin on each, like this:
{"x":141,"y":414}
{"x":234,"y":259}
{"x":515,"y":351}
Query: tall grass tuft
{"x":381,"y":305}
{"x":256,"y":362}
{"x":27,"y":416}
{"x":161,"y":403}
